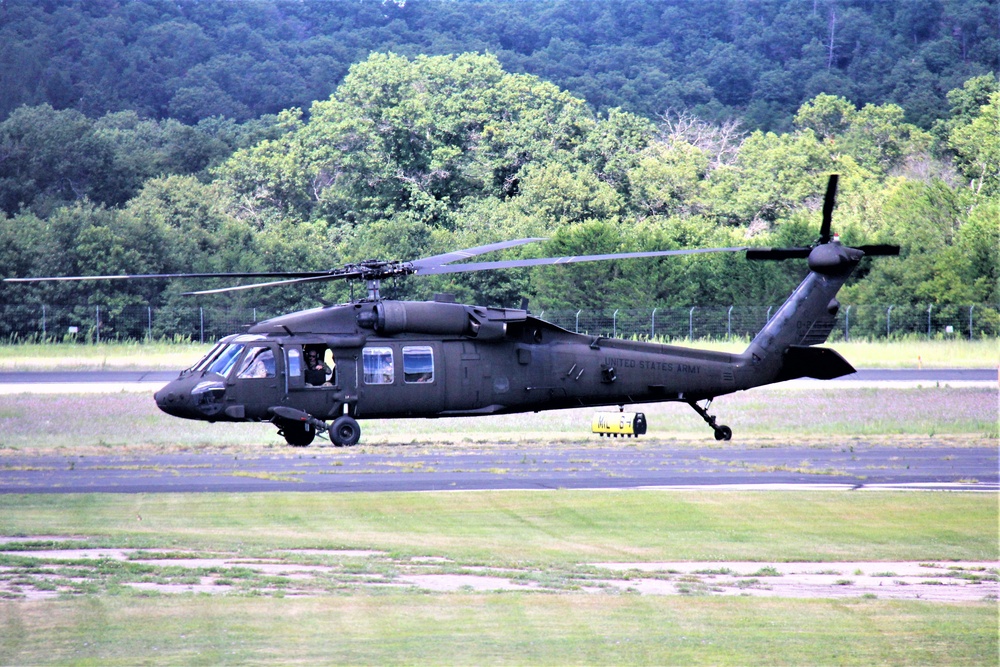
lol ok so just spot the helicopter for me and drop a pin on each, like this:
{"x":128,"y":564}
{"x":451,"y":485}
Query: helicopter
{"x":320,"y":371}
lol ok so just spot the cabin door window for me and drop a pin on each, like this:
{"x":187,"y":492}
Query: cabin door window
{"x":418,"y":364}
{"x":378,"y":365}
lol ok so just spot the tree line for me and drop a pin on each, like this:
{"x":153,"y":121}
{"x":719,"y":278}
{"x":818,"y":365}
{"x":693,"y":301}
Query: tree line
{"x":417,"y":156}
{"x":757,"y":60}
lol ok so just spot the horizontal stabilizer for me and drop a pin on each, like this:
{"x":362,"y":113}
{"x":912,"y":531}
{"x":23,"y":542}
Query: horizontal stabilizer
{"x":820,"y":363}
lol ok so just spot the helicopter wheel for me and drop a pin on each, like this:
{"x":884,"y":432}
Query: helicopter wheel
{"x":723,"y":433}
{"x":297,"y":434}
{"x":345,"y":431}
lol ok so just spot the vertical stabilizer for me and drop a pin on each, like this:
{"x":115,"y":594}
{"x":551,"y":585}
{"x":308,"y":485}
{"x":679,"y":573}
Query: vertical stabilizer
{"x":806,"y":318}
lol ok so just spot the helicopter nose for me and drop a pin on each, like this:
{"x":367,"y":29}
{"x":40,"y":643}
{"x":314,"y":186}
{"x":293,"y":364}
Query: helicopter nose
{"x":174,"y":401}
{"x":193,"y":398}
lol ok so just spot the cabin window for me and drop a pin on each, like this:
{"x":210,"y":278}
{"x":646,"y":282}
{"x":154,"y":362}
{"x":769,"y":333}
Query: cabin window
{"x":258,"y":363}
{"x":378,"y":365}
{"x":418,"y":363}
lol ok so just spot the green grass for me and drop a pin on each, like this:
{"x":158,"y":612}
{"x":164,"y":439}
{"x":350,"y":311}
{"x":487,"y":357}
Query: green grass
{"x":100,"y":356}
{"x":130,"y":421}
{"x":550,"y":528}
{"x":554,"y":533}
{"x":496,"y":629}
{"x":908,"y":353}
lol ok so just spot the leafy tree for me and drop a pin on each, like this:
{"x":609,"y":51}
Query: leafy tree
{"x":50,"y":157}
{"x":771,"y":175}
{"x":977,"y":148}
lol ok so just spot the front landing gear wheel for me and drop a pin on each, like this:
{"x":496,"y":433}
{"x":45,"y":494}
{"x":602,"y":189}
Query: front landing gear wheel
{"x":298,"y":434}
{"x":723,"y":433}
{"x":345,"y":431}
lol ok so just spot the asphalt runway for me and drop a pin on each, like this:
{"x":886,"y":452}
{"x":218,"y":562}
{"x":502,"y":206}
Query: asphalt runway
{"x":618,"y":464}
{"x":615,"y":464}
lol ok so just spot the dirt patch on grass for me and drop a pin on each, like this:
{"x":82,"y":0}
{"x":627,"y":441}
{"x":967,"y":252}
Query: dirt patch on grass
{"x":31,"y":569}
{"x":939,"y":582}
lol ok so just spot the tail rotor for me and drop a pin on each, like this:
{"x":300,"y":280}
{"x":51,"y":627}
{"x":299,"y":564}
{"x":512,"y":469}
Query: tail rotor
{"x":826,"y":235}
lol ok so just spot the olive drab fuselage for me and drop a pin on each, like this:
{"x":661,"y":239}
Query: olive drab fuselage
{"x":435,"y":359}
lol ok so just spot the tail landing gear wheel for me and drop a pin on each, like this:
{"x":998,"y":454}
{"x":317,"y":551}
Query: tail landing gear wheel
{"x":345,"y":431}
{"x":298,"y":434}
{"x":721,"y":432}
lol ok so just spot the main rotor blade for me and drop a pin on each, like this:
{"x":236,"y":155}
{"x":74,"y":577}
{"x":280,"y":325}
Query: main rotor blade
{"x":455,"y":255}
{"x":276,"y":283}
{"x":777,"y":253}
{"x":153,"y":276}
{"x":829,"y":201}
{"x":541,"y":261}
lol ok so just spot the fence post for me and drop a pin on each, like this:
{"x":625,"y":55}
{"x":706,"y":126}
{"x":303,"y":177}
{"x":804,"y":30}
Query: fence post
{"x":652,"y":325}
{"x":729,"y":323}
{"x":929,"y":320}
{"x":769,"y":313}
{"x":201,"y":324}
{"x":98,"y":320}
{"x":847,"y":324}
{"x":691,"y":323}
{"x":970,"y":321}
{"x":45,"y":332}
{"x":888,"y":321}
{"x":614,"y":324}
{"x":577,"y":330}
{"x":149,"y":322}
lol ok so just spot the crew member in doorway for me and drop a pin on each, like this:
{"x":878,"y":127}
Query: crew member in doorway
{"x":317,"y":372}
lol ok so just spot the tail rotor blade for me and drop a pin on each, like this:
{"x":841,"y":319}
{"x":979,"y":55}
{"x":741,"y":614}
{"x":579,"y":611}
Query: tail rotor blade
{"x":829,"y":201}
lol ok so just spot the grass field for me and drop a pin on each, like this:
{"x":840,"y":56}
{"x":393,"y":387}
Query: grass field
{"x":909,"y":353}
{"x":130,"y":422}
{"x":364,"y":616}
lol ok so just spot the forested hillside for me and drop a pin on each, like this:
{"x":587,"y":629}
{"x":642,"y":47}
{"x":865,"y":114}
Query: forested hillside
{"x":757,"y":60}
{"x":414,"y":155}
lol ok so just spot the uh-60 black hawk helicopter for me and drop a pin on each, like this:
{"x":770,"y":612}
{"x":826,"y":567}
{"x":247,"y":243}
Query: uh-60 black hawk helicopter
{"x":319,"y":371}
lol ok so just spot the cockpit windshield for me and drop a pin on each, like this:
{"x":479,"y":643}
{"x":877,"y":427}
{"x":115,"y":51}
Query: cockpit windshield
{"x":207,"y":359}
{"x":225,"y":359}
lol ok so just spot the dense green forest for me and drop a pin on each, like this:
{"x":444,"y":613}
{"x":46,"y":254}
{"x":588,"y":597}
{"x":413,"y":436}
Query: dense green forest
{"x":758,"y":60}
{"x":405,"y":155}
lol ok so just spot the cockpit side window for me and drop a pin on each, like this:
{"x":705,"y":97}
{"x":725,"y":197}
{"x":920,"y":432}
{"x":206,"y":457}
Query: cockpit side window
{"x":258,"y":363}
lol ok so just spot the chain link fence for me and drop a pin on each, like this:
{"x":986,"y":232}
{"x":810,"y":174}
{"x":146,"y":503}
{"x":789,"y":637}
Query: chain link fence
{"x":206,"y":324}
{"x":721,"y":322}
